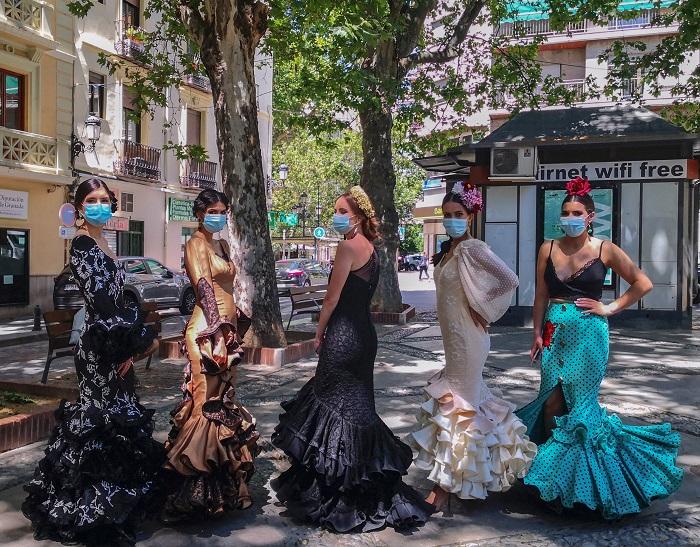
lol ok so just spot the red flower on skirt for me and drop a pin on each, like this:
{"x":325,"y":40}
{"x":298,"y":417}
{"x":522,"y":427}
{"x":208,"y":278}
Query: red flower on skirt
{"x":548,"y":333}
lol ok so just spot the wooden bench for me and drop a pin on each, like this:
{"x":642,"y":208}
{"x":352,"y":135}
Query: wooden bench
{"x":306,"y":300}
{"x":58,"y":328}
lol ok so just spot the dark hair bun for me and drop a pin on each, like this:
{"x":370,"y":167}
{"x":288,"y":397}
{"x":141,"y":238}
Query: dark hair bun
{"x":207,"y":198}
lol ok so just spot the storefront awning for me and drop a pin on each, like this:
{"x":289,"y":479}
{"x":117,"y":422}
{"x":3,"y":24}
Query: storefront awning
{"x":584,"y":125}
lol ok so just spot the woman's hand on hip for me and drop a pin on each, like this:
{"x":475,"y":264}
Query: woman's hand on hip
{"x":536,"y":349}
{"x":219,"y":352}
{"x":593,"y":307}
{"x":479,"y":320}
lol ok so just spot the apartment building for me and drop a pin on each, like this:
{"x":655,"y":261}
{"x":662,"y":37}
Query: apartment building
{"x":36,"y":73}
{"x":154,"y":189}
{"x":572,"y":55}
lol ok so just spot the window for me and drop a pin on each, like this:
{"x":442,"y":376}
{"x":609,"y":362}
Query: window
{"x":96,"y":94}
{"x":14,"y":266}
{"x":194,"y":127}
{"x":135,"y":267}
{"x":12,"y":100}
{"x":127,"y":204}
{"x":157,"y":268}
{"x":130,"y":243}
{"x":131,"y":12}
{"x":130,"y":123}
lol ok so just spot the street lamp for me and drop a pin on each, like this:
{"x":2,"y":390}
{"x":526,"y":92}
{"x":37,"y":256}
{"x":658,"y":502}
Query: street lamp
{"x":283,"y":172}
{"x":93,"y":128}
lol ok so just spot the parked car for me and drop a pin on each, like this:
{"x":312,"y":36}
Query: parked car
{"x":147,"y":280}
{"x":299,"y":272}
{"x":411,"y":262}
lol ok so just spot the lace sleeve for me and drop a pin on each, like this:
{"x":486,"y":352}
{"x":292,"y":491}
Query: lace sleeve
{"x":488,"y":283}
{"x":89,"y":267}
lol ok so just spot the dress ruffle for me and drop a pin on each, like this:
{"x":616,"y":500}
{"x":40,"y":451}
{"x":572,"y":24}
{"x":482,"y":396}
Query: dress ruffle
{"x":344,"y":476}
{"x":98,"y":473}
{"x":470,"y":450}
{"x":121,"y":336}
{"x":209,"y":458}
{"x":601,"y":467}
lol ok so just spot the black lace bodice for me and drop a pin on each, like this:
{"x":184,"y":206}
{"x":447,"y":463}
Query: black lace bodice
{"x":344,"y":376}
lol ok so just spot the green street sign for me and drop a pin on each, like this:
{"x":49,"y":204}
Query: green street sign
{"x":180,"y":210}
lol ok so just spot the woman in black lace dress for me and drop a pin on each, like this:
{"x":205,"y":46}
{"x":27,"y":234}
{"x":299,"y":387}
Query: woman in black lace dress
{"x":101,"y":462}
{"x":346,"y":463}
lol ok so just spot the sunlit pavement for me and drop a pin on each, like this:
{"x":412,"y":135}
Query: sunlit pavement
{"x":652,"y":377}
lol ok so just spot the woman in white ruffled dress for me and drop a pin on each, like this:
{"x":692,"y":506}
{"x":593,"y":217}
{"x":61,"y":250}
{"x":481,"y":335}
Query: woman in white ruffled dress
{"x":469,"y":440}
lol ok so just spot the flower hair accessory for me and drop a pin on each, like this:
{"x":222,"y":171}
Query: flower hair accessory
{"x":578,"y":187}
{"x":362,"y":200}
{"x":469,"y":195}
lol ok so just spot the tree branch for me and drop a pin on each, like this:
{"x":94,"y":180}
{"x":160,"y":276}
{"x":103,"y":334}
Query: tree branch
{"x":451,"y":49}
{"x":192,"y":19}
{"x":414,"y":25}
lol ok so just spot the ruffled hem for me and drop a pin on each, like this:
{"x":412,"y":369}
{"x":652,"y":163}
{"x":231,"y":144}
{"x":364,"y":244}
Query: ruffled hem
{"x":615,"y":468}
{"x":343,"y":453}
{"x":205,"y":343}
{"x":98,"y":473}
{"x":470,"y":450}
{"x":365,"y":508}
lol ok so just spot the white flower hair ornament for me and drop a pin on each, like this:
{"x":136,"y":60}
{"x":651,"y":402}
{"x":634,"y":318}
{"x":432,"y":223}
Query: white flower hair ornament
{"x":469,"y":195}
{"x":362,"y":200}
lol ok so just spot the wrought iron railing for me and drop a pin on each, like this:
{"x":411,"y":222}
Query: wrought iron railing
{"x":128,"y":44}
{"x":27,"y":150}
{"x":199,"y":81}
{"x":198,"y":174}
{"x":134,"y":159}
{"x":539,"y":27}
{"x":643,"y":18}
{"x":632,"y":86}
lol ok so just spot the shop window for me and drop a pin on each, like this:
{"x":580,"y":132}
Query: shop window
{"x":12,"y":100}
{"x":14,"y":267}
{"x":127,"y":204}
{"x":130,"y":243}
{"x":96,"y":97}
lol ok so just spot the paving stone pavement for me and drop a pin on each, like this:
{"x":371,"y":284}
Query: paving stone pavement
{"x":650,"y":379}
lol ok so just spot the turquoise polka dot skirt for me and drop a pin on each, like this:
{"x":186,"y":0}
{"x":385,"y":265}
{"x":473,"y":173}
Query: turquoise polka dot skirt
{"x":593,"y":458}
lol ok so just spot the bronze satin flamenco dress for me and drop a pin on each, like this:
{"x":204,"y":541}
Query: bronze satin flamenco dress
{"x":213,"y":441}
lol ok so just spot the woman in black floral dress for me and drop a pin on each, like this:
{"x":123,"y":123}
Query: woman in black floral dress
{"x":101,"y":462}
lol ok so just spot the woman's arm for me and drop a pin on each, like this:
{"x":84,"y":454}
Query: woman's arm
{"x":623,"y":266}
{"x":541,"y":299}
{"x":341,"y":270}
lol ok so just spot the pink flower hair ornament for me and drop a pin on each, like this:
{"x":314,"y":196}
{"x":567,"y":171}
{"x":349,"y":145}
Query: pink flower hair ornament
{"x":469,"y":195}
{"x":578,"y":187}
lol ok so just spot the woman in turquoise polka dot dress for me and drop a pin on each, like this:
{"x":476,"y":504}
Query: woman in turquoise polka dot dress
{"x":587,"y":456}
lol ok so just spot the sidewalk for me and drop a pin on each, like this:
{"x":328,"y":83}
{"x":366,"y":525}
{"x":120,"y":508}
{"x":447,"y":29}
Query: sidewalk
{"x":649,"y":380}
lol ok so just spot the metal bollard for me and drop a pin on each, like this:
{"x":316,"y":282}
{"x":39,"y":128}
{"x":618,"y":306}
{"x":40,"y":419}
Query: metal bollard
{"x":37,"y":318}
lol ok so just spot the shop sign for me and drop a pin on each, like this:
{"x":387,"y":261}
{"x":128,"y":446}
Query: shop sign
{"x":180,"y":210}
{"x":14,"y":204}
{"x":118,"y":224}
{"x":618,"y":170}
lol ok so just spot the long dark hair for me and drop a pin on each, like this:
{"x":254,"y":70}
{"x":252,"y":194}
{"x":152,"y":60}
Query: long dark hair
{"x":207,"y":198}
{"x":369,"y":225}
{"x":88,"y":186}
{"x":584,"y":199}
{"x":450,"y":197}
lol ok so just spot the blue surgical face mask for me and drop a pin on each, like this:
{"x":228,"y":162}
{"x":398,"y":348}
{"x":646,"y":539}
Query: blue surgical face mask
{"x":214,"y":223}
{"x":455,"y":227}
{"x":341,"y":223}
{"x":573,"y":226}
{"x":97,"y":214}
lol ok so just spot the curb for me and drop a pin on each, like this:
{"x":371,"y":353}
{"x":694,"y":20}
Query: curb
{"x":10,"y":340}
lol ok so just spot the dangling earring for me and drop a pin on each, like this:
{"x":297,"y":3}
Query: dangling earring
{"x":590,"y":229}
{"x":79,"y":221}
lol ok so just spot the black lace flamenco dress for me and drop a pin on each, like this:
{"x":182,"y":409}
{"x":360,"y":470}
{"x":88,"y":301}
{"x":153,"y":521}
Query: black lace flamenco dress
{"x":101,"y":464}
{"x":346,"y":463}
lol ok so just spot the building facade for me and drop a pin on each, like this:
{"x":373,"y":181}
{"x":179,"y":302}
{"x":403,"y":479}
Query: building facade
{"x":36,"y":62}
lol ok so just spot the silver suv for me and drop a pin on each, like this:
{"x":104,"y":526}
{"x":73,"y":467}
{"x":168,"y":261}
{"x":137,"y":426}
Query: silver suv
{"x":147,"y":280}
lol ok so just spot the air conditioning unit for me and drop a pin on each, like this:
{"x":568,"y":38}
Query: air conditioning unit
{"x":513,"y":162}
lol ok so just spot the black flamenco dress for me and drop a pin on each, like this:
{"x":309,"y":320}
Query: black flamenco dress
{"x":346,"y":463}
{"x":101,"y":464}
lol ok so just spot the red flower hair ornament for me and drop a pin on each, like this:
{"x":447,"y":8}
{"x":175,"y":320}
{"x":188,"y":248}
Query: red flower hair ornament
{"x":578,"y":187}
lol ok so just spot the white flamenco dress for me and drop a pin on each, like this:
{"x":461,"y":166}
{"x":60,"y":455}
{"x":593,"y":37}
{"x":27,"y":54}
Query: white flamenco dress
{"x":468,"y":439}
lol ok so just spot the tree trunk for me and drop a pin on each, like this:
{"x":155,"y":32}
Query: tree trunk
{"x":228,"y":52}
{"x":379,"y":180}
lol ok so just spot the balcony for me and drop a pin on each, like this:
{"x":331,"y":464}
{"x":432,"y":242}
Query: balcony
{"x":129,"y":42}
{"x":27,"y":13}
{"x":198,"y":174}
{"x":503,"y":100}
{"x":199,"y":81}
{"x":644,"y":18}
{"x":539,"y":27}
{"x":137,"y":160}
{"x":631,"y":87}
{"x":27,"y":150}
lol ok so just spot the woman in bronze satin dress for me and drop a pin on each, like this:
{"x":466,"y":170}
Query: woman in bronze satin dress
{"x":212,"y":444}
